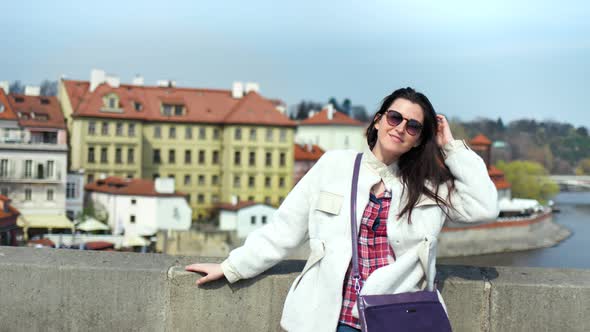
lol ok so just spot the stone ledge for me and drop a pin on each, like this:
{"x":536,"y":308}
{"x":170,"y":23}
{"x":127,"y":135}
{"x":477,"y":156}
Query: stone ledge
{"x":56,"y":290}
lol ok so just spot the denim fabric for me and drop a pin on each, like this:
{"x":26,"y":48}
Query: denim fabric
{"x":345,"y":328}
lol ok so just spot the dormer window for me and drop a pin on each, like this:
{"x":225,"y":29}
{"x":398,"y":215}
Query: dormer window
{"x":44,"y":101}
{"x":111,"y":101}
{"x":173,"y":109}
{"x":137,"y":106}
{"x":19,"y":99}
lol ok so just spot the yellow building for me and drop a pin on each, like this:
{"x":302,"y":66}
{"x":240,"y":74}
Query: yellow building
{"x":216,"y":144}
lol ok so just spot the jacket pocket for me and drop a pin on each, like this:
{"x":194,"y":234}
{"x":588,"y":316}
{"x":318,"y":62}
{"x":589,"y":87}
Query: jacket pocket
{"x":329,"y":202}
{"x":317,"y":253}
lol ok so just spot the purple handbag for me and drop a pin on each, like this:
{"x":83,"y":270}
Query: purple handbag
{"x":411,"y":311}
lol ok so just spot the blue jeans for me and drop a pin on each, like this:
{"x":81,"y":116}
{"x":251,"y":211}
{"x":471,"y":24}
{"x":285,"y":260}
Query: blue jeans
{"x":345,"y":328}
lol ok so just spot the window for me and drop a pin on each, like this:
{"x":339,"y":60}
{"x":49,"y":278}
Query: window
{"x":269,"y":134}
{"x":3,"y":167}
{"x":187,"y":179}
{"x":281,"y":199}
{"x":130,"y":155}
{"x":188,"y":132}
{"x":202,"y":157}
{"x":70,"y":190}
{"x":155,"y":176}
{"x":103,"y":155}
{"x":264,"y":220}
{"x":132,"y":219}
{"x":130,"y":176}
{"x":178,"y":110}
{"x":166,"y":109}
{"x":50,"y":168}
{"x":157,"y":132}
{"x":133,"y":201}
{"x":137,"y":106}
{"x":267,"y":181}
{"x":267,"y":200}
{"x":282,"y":182}
{"x":156,"y":157}
{"x":251,"y":198}
{"x":187,"y":156}
{"x":252,"y":158}
{"x":268,"y":159}
{"x":90,"y":178}
{"x":282,"y":159}
{"x":28,"y":194}
{"x":118,"y":156}
{"x":201,"y":179}
{"x":346,"y":141}
{"x":119,"y":129}
{"x":91,"y":128}
{"x":215,"y":133}
{"x":112,"y":102}
{"x":237,"y":181}
{"x":283,"y":135}
{"x":214,"y":180}
{"x":214,"y":198}
{"x":28,"y":169}
{"x":253,"y":220}
{"x":50,"y":194}
{"x":131,"y":130}
{"x":105,"y":128}
{"x":200,"y":198}
{"x":251,"y":181}
{"x":215,"y":157}
{"x":188,"y":198}
{"x":172,"y":132}
{"x":171,"y":176}
{"x":237,"y":157}
{"x":238,"y":134}
{"x":171,"y":156}
{"x":202,"y":133}
{"x":253,"y":134}
{"x":91,"y":154}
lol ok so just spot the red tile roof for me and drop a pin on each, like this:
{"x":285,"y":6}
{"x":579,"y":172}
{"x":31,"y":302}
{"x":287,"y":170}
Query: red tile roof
{"x":501,"y":183}
{"x":303,"y":153}
{"x":8,"y":113}
{"x":202,"y":105}
{"x":339,"y":118}
{"x":12,"y":211}
{"x":493,"y":171}
{"x":47,"y":111}
{"x":118,"y":186}
{"x":480,"y":139}
{"x":239,"y":206}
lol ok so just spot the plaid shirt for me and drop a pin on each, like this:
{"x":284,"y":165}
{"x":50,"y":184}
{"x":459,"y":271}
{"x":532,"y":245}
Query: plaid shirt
{"x":373,"y":252}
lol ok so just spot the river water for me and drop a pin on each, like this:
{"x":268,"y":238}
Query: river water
{"x":574,"y":252}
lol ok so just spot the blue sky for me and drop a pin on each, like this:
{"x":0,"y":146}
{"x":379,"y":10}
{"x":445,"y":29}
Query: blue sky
{"x":509,"y":59}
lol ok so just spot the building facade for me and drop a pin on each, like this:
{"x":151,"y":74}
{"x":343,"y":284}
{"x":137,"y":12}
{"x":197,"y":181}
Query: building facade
{"x":33,"y":154}
{"x":215,"y":144}
{"x":305,"y":157}
{"x":330,"y":130}
{"x":244,"y":217}
{"x":74,"y":194}
{"x":138,"y":207}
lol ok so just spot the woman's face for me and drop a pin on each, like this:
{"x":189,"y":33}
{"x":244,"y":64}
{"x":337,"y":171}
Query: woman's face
{"x":392,"y":142}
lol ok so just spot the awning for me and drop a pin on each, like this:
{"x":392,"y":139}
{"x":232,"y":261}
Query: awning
{"x":52,"y":221}
{"x":134,"y":241}
{"x":92,"y":224}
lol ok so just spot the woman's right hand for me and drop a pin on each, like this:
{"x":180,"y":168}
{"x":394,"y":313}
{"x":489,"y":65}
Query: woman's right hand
{"x":212,"y":271}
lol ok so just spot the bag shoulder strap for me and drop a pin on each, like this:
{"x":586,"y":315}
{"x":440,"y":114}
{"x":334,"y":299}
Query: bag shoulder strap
{"x":354,"y":233}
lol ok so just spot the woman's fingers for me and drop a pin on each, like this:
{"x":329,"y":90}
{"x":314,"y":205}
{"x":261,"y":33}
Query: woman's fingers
{"x":212,"y":271}
{"x":195,"y":268}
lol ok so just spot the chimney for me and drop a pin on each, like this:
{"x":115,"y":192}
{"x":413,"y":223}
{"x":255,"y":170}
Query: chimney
{"x":252,"y":86}
{"x":237,"y":90}
{"x":234,"y":200}
{"x":32,"y":90}
{"x":281,"y":108}
{"x":166,"y":83}
{"x":97,"y":77}
{"x":310,"y":114}
{"x":308,"y":147}
{"x":138,"y":80}
{"x":6,"y":86}
{"x":164,"y":185}
{"x":330,"y":108}
{"x":113,"y":81}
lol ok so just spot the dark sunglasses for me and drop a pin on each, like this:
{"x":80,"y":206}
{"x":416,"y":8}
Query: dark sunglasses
{"x":394,"y":118}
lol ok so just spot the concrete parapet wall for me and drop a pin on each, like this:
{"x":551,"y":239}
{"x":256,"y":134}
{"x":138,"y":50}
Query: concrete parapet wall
{"x":71,"y":290}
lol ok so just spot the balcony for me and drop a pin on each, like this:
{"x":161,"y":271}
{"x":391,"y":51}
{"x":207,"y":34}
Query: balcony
{"x":21,"y":177}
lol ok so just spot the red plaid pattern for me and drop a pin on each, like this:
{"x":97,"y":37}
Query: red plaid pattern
{"x":373,"y":252}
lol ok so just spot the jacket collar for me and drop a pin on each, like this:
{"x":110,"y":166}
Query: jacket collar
{"x":388,"y":173}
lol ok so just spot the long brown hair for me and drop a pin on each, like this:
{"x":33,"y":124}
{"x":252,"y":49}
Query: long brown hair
{"x":422,"y":164}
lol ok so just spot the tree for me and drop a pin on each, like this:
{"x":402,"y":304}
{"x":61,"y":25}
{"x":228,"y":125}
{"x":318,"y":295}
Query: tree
{"x":360,"y":113}
{"x":17,"y":87}
{"x":529,"y":179}
{"x":346,"y":107}
{"x":49,"y":88}
{"x":583,"y":167}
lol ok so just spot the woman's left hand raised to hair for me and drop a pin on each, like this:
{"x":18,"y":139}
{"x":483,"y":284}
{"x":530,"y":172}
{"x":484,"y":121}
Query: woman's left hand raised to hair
{"x":443,"y":133}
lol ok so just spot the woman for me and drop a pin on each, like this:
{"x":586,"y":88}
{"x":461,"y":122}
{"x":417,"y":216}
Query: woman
{"x":413,"y":176}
